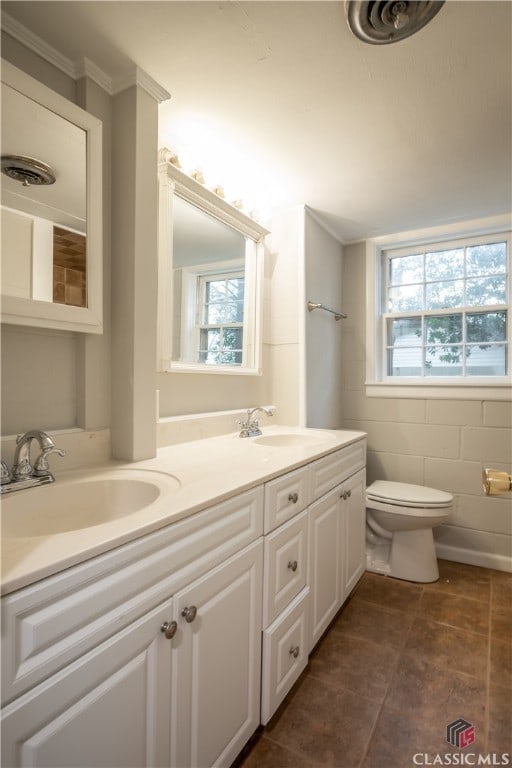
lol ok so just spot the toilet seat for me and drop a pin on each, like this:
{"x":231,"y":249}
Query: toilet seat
{"x":408,"y":495}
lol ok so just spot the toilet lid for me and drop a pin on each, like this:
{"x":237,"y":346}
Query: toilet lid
{"x":407,"y":494}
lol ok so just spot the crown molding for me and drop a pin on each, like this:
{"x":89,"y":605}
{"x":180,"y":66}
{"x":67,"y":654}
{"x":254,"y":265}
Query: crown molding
{"x":35,"y":43}
{"x":137,"y":76}
{"x":87,"y":68}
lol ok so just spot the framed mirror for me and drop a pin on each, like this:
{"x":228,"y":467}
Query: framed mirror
{"x":210,"y":279}
{"x":51,"y":208}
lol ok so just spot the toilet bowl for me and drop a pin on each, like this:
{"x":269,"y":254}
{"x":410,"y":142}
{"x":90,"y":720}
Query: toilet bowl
{"x":399,"y":522}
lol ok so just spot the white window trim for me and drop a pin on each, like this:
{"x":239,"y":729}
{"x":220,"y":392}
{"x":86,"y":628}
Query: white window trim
{"x":500,"y":388}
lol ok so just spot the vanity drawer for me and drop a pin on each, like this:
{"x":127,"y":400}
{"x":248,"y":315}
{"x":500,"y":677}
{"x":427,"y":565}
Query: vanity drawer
{"x":285,"y":654}
{"x":285,"y":566}
{"x":328,"y":472}
{"x":284,"y":497}
{"x":51,"y":623}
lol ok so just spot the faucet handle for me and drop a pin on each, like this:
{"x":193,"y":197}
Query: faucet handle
{"x":41,"y":466}
{"x":5,"y":475}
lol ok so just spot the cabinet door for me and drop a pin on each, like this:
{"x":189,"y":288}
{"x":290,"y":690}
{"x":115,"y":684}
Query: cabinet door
{"x":325,"y":567}
{"x":284,"y":566}
{"x":354,"y":531}
{"x":216,"y":662}
{"x":108,"y":709}
{"x":285,"y":654}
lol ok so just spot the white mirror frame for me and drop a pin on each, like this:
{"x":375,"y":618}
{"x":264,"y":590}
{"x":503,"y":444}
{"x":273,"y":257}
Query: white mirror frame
{"x":45,"y":314}
{"x":172,"y":181}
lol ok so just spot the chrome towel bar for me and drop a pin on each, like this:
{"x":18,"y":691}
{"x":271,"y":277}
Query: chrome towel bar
{"x":337,"y":315}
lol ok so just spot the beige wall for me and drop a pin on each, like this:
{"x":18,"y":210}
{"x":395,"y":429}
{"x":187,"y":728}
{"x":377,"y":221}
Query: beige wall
{"x":439,"y":443}
{"x":323,"y":367}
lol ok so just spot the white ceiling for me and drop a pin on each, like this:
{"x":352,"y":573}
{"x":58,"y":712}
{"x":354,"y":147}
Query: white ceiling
{"x":296,"y":110}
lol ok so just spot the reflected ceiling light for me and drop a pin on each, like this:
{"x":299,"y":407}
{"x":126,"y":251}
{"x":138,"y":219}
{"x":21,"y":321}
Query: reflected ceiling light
{"x":387,"y":21}
{"x":27,"y":170}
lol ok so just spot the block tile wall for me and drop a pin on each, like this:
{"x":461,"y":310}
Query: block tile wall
{"x":444,"y":444}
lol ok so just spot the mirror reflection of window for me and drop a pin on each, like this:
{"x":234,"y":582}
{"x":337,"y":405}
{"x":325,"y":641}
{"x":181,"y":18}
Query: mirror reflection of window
{"x":209,"y":288}
{"x":221,"y":318}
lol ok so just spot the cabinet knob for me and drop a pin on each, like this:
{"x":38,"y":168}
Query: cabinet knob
{"x":169,"y":629}
{"x":294,"y":651}
{"x":346,"y":495}
{"x":293,"y":497}
{"x":189,"y":613}
{"x":292,"y":565}
{"x":349,"y":494}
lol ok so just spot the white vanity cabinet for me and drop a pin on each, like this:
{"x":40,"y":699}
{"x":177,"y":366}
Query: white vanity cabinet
{"x":353,"y":531}
{"x":216,"y":652}
{"x":92,"y":678}
{"x":109,"y":708}
{"x":170,"y":650}
{"x":336,"y":534}
{"x":314,"y":554}
{"x":285,"y":590}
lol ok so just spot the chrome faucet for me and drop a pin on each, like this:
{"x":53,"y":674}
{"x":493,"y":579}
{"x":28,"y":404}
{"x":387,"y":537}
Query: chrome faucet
{"x":23,"y":474}
{"x":251,"y":426}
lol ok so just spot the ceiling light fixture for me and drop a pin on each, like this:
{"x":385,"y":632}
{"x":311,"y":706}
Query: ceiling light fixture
{"x":387,"y":21}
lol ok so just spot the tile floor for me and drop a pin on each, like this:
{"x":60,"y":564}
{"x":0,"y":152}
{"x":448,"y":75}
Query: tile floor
{"x":399,"y":663}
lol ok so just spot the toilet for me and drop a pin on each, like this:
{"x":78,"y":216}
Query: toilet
{"x":399,"y":522}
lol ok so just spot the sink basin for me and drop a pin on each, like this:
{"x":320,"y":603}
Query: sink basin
{"x":81,"y":501}
{"x":292,"y":439}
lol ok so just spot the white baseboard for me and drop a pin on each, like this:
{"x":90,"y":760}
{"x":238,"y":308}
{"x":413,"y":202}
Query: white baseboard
{"x":474,"y":557}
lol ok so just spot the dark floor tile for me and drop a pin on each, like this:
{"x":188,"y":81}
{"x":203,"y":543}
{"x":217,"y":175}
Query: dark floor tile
{"x":500,"y":719}
{"x":325,"y":725}
{"x":436,"y":695}
{"x":267,"y":754}
{"x":389,"y":593}
{"x":464,"y":580}
{"x":399,"y":736}
{"x":455,"y":611}
{"x":501,"y":590}
{"x":501,"y":663}
{"x":369,"y":621}
{"x":450,"y":648}
{"x":501,"y":624}
{"x":354,"y":664}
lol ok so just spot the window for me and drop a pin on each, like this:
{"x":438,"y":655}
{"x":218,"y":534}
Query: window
{"x":446,"y":310}
{"x":220,"y":313}
{"x":438,"y":312}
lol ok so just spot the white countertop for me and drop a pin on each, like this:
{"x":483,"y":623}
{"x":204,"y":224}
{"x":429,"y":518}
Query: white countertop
{"x":191,"y":477}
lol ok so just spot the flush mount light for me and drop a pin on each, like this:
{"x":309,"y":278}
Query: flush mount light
{"x":388,"y":21}
{"x":27,"y":170}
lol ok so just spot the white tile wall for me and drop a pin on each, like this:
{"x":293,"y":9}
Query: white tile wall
{"x":454,"y":412}
{"x":498,"y":415}
{"x":454,"y":476}
{"x":487,"y":513}
{"x":403,"y":469}
{"x":414,"y":439}
{"x":486,"y":444}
